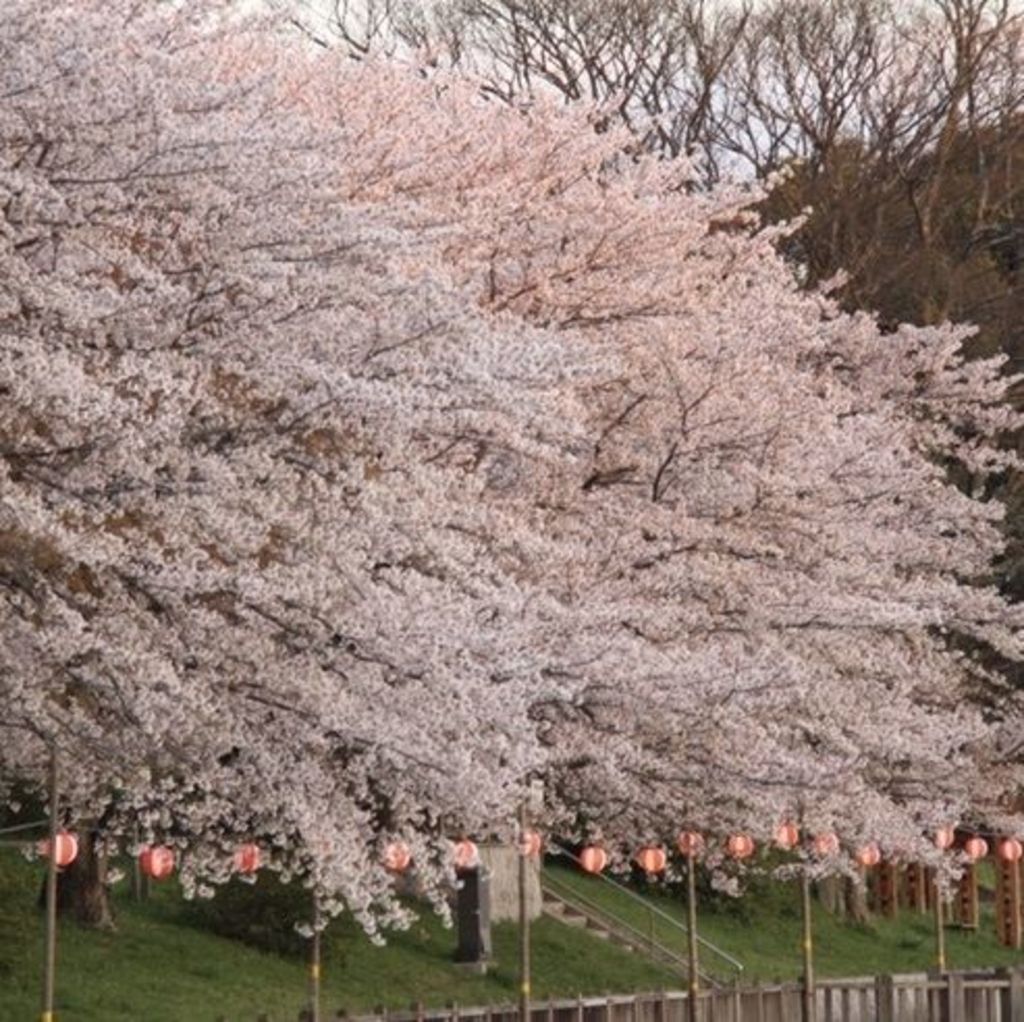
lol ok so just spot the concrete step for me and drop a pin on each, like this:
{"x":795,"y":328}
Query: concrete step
{"x":555,"y":907}
{"x":565,"y":913}
{"x":571,"y":919}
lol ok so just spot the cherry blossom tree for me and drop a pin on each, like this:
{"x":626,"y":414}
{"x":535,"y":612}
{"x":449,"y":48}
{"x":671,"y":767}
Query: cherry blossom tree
{"x":253,"y":468}
{"x":775,"y":554}
{"x":370,"y":448}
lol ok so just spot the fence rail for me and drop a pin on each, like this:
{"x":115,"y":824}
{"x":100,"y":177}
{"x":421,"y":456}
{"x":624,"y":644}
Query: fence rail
{"x":993,"y":996}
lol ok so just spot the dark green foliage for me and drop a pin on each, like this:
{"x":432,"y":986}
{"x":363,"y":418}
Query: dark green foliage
{"x":262,"y":915}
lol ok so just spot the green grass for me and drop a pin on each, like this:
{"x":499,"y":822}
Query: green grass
{"x":167,"y":963}
{"x":763,"y":930}
{"x":160,"y":966}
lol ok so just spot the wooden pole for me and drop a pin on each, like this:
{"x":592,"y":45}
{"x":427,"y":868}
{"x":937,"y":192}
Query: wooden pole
{"x":940,"y":926}
{"x":809,"y":1000}
{"x":314,"y":964}
{"x":968,"y":898}
{"x":50,"y":969}
{"x":1008,"y":903}
{"x":524,"y":917}
{"x":691,"y":910}
{"x":1016,"y":907}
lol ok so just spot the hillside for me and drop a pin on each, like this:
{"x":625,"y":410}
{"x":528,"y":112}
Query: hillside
{"x":166,"y":963}
{"x":763,"y":930}
{"x":171,"y":960}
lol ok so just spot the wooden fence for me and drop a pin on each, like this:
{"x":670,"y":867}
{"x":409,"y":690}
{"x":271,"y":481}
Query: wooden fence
{"x":993,"y":996}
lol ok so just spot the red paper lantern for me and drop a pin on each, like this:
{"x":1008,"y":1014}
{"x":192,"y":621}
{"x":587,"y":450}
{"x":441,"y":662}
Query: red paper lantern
{"x":397,"y":857}
{"x":67,"y":848}
{"x":651,"y":859}
{"x":826,"y":844}
{"x":466,"y":855}
{"x":530,"y":844}
{"x":593,"y":859}
{"x":869,"y":855}
{"x":787,"y":836}
{"x":157,"y":861}
{"x":740,"y":846}
{"x":1010,"y":850}
{"x":248,"y":858}
{"x":976,"y":848}
{"x":690,"y":842}
{"x":944,"y":838}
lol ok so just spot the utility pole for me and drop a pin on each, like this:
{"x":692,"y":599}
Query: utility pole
{"x":50,"y":970}
{"x":940,"y":925}
{"x":314,"y":964}
{"x":524,"y":915}
{"x":810,"y":1011}
{"x":691,"y":911}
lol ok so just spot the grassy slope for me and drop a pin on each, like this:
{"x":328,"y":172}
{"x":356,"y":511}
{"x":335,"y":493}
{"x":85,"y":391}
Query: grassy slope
{"x":160,"y":968}
{"x":164,"y":964}
{"x":764,"y":932}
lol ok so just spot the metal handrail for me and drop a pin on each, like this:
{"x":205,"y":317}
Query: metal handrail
{"x":737,"y":965}
{"x":592,"y":910}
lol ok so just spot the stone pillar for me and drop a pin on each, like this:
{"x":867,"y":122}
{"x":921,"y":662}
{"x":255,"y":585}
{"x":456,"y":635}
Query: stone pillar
{"x":502,"y":864}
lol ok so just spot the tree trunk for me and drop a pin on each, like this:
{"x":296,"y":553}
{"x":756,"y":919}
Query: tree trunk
{"x":856,"y":901}
{"x":82,"y":887}
{"x":830,"y":894}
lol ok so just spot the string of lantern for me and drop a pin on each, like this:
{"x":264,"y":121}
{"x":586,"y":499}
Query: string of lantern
{"x":158,"y":861}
